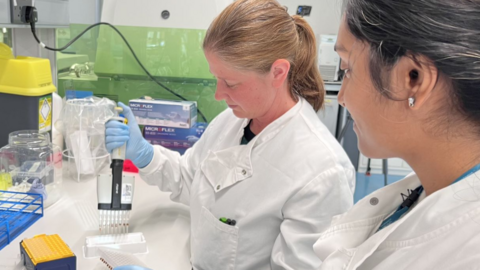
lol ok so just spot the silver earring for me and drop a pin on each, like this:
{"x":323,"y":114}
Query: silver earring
{"x":411,"y":101}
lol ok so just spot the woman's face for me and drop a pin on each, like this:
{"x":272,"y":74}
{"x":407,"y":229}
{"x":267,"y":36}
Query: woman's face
{"x":379,"y":122}
{"x":249,"y":94}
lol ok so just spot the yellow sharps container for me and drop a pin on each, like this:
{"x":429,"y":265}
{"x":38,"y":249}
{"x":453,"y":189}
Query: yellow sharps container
{"x":25,"y":94}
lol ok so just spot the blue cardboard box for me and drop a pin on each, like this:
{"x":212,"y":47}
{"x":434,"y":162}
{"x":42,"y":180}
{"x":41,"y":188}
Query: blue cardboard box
{"x":178,"y":139}
{"x":164,"y":113}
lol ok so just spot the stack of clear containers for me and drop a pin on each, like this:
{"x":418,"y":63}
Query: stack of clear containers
{"x":82,"y":123}
{"x":31,"y":163}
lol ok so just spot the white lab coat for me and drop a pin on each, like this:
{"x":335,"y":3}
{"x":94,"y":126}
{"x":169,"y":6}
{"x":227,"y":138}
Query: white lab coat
{"x":442,"y":231}
{"x":282,"y":189}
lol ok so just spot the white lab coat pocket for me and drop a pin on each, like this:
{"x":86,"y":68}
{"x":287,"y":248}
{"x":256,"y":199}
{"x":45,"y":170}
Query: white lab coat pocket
{"x":214,"y":245}
{"x":338,"y":260}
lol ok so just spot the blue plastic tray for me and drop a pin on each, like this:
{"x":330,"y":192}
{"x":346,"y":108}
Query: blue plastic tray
{"x":18,"y":211}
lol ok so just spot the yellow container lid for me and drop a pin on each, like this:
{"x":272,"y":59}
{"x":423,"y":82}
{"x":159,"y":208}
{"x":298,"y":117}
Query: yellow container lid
{"x":46,"y":248}
{"x":24,"y":76}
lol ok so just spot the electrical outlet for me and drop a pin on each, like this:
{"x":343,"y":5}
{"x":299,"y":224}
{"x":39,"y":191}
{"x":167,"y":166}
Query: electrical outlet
{"x":16,"y":10}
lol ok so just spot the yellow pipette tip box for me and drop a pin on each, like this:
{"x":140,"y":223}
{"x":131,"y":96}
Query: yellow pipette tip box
{"x":47,"y":252}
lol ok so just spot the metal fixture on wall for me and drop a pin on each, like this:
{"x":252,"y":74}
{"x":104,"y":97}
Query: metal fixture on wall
{"x":165,"y":14}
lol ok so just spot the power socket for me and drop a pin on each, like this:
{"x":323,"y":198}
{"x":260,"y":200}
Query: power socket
{"x":16,"y":11}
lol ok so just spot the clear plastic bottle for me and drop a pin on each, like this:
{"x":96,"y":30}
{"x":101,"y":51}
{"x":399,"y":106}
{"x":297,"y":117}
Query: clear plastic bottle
{"x":32,"y":164}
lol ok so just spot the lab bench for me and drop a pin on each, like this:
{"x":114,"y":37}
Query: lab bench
{"x":164,"y":224}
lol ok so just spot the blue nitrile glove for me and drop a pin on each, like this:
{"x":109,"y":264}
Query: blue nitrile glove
{"x":38,"y":187}
{"x":139,"y":151}
{"x":131,"y":267}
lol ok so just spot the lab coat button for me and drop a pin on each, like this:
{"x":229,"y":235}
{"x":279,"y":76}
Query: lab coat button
{"x":244,"y":172}
{"x":218,"y":187}
{"x":374,"y":201}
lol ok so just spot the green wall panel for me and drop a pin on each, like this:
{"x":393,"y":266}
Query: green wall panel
{"x":173,"y":56}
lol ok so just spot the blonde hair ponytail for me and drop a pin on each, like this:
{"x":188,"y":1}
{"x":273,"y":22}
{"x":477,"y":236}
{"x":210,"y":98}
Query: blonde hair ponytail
{"x":305,"y":78}
{"x":253,"y":34}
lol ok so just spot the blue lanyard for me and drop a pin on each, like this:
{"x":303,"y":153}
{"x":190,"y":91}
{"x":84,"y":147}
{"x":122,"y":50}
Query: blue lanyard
{"x":413,"y":197}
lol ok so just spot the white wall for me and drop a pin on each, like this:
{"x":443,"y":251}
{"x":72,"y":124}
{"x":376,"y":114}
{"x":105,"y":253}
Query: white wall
{"x":324,"y":17}
{"x":188,"y":14}
{"x":145,"y":12}
{"x":83,"y":11}
{"x":196,"y":14}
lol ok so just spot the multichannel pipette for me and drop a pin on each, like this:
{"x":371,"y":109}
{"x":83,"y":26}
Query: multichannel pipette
{"x":115,"y":192}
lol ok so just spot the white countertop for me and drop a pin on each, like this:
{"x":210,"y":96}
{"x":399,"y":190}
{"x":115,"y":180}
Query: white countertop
{"x":165,"y":225}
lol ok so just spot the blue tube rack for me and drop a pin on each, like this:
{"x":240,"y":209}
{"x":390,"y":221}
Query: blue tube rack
{"x":18,"y":211}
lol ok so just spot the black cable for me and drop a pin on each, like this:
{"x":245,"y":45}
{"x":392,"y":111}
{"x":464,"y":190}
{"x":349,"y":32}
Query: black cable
{"x":385,"y":171}
{"x":32,"y":26}
{"x":369,"y":169}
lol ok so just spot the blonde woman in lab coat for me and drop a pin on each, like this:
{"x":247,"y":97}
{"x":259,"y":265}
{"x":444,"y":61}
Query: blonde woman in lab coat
{"x":267,"y":163}
{"x":412,"y":85}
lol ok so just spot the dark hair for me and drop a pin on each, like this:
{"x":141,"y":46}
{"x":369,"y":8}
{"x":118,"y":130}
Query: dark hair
{"x":252,"y":34}
{"x":445,"y":31}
